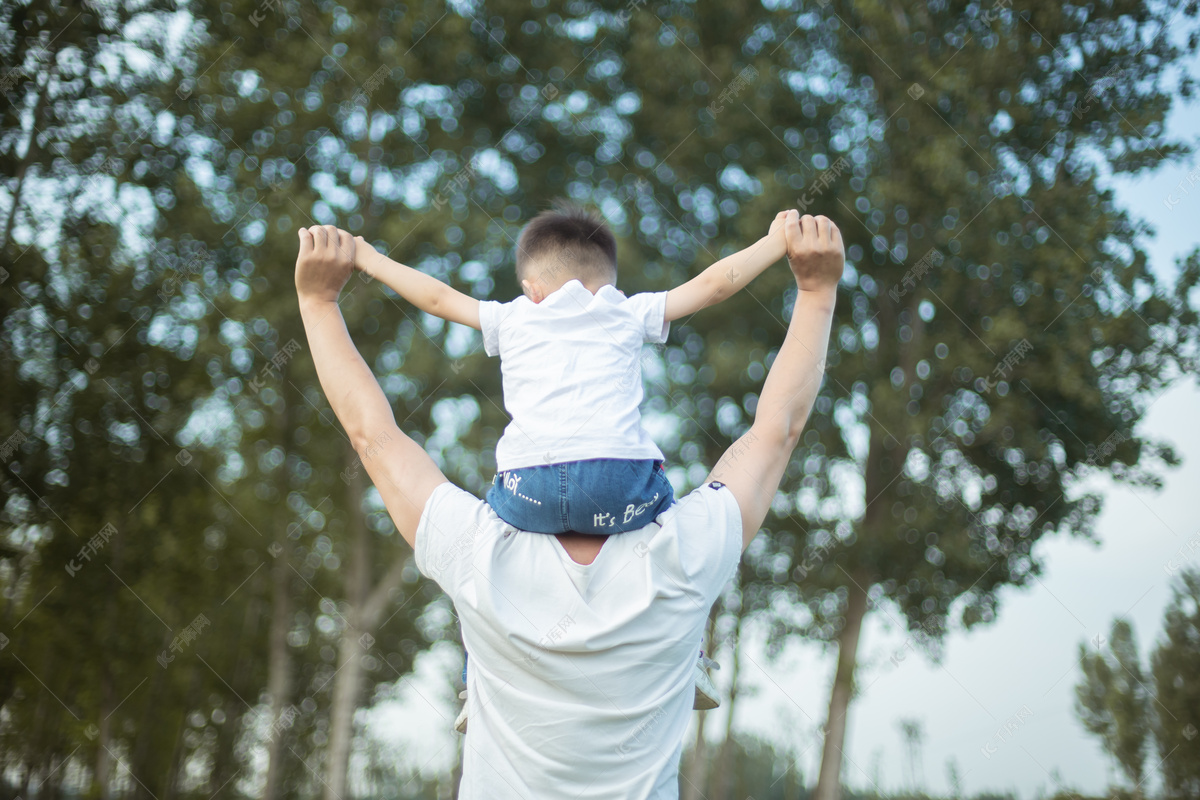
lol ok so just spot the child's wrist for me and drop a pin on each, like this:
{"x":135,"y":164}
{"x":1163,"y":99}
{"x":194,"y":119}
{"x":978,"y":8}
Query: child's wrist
{"x":777,"y":243}
{"x":363,"y":258}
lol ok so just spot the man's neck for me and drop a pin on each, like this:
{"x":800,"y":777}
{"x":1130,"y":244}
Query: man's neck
{"x":582,"y":547}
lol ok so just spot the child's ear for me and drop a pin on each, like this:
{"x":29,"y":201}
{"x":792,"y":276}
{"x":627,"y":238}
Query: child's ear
{"x":533,"y":291}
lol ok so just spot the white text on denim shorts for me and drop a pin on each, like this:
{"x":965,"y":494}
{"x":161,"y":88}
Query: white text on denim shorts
{"x":632,"y":511}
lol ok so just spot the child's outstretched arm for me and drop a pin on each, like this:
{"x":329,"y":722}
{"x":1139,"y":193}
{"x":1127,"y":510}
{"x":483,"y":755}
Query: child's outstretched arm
{"x":728,"y":275}
{"x":423,"y":291}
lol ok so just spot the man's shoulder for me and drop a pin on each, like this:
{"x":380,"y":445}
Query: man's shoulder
{"x":706,"y":525}
{"x":453,"y":524}
{"x":708,"y":498}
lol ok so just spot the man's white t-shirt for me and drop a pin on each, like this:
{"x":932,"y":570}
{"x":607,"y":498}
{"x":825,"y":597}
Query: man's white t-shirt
{"x":581,"y":678}
{"x":571,"y":371}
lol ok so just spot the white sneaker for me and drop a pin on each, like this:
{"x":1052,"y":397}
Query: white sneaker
{"x":460,"y":722}
{"x":707,"y":697}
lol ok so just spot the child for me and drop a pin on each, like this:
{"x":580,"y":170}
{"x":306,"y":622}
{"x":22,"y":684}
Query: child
{"x":575,"y":458}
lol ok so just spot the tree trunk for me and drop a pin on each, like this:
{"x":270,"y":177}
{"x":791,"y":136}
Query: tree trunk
{"x":829,"y":782}
{"x":148,"y":730}
{"x":456,"y":772}
{"x":693,"y":784}
{"x":31,"y":152}
{"x":223,"y":764}
{"x":170,"y":787}
{"x":104,"y":738}
{"x":51,"y":786}
{"x":348,"y":679}
{"x":692,"y":787}
{"x":724,"y":777}
{"x":279,"y":666}
{"x":346,"y":689}
{"x":365,"y":607}
{"x":103,"y":774}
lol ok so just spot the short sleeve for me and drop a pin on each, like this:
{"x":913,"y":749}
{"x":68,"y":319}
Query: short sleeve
{"x":490,"y":315}
{"x":651,"y":309}
{"x":452,"y":525}
{"x":708,"y":526}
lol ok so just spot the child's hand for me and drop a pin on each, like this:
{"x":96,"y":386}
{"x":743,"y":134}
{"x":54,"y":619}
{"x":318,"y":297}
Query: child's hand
{"x":777,"y":223}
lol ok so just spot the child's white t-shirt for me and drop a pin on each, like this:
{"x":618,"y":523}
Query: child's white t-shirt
{"x":571,"y":371}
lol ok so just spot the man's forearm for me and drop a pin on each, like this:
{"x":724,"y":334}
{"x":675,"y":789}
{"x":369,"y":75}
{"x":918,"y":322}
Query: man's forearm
{"x":791,"y":386}
{"x":351,"y":388}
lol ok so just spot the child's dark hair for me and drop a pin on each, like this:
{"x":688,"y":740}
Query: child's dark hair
{"x":568,"y":240}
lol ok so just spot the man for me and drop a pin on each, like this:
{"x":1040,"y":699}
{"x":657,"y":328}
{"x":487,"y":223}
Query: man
{"x":582,"y":647}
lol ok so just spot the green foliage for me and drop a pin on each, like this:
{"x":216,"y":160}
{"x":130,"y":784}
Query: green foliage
{"x":144,"y":388}
{"x":1175,"y":665}
{"x":757,"y":768}
{"x":1113,"y":701}
{"x":148,"y":364}
{"x":999,"y":330}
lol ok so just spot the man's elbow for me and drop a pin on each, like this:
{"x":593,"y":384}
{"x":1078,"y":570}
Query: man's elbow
{"x":781,"y":435}
{"x":366,"y":431}
{"x":368,"y":444}
{"x":798,"y":422}
{"x":360,"y":440}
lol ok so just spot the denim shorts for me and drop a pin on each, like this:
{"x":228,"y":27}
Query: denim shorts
{"x":600,"y":496}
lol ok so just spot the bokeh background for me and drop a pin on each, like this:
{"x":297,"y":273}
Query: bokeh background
{"x":980,"y":577}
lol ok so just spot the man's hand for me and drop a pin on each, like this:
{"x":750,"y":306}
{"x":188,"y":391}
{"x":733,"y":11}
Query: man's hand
{"x":815,"y":251}
{"x":325,"y":262}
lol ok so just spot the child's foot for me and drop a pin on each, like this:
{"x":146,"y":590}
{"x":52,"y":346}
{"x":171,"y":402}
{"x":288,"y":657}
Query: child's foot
{"x":460,"y":722}
{"x":707,"y":697}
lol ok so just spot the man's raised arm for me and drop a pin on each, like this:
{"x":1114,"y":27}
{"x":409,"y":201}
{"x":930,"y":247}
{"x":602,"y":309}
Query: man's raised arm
{"x":753,"y":466}
{"x":403,"y":472}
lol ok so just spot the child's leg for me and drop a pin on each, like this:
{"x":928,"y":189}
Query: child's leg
{"x":608,"y":495}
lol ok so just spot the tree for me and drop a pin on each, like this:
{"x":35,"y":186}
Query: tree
{"x":911,"y":731}
{"x":758,"y":768}
{"x":954,"y":778}
{"x":999,"y":330}
{"x":435,"y":131}
{"x":153,"y":530}
{"x":1174,"y":666}
{"x":1113,"y":701}
{"x":96,"y":381}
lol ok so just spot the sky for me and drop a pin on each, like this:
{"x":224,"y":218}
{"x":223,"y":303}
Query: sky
{"x":1016,"y":674}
